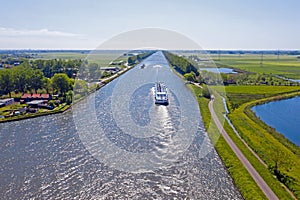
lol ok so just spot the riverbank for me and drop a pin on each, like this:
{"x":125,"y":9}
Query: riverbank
{"x":34,"y":115}
{"x":279,"y":136}
{"x":238,"y":172}
{"x":65,"y":107}
{"x":254,"y":174}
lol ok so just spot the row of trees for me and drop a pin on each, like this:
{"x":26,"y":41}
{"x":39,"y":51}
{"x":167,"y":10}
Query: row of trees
{"x":72,"y":68}
{"x":137,"y":58}
{"x":255,"y":79}
{"x":50,"y":76}
{"x":90,"y":72}
{"x":26,"y":79}
{"x":181,"y":64}
{"x":211,"y":78}
{"x":54,"y":66}
{"x":20,"y":79}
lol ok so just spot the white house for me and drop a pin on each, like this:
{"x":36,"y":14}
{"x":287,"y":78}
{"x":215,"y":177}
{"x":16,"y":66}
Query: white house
{"x":7,"y":102}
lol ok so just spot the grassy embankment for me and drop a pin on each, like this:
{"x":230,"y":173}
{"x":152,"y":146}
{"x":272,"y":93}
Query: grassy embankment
{"x":61,"y":108}
{"x":272,"y":147}
{"x":238,"y":172}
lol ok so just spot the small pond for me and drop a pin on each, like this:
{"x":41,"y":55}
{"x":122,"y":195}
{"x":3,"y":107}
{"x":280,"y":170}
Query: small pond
{"x":283,"y":115}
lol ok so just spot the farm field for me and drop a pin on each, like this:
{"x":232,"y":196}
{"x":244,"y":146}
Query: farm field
{"x":285,"y":65}
{"x":238,"y":95}
{"x":101,"y":58}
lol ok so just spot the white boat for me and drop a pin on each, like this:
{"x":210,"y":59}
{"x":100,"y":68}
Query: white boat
{"x":161,"y":94}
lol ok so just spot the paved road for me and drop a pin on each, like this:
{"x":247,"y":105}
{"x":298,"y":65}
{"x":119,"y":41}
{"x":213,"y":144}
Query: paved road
{"x":257,"y":178}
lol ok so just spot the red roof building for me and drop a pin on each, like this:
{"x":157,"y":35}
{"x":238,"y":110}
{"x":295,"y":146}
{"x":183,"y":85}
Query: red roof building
{"x":45,"y":96}
{"x":35,"y":96}
{"x":30,"y":97}
{"x":24,"y":96}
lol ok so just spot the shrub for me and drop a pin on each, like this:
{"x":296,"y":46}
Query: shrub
{"x":77,"y":96}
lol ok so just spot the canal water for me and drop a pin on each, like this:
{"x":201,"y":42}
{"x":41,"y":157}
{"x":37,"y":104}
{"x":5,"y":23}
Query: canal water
{"x":282,"y":115}
{"x":116,"y":144}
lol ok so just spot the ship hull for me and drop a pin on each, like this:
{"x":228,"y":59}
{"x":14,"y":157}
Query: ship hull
{"x":161,"y":94}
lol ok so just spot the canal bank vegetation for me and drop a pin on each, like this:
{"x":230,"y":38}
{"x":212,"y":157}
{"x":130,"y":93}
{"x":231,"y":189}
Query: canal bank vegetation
{"x":180,"y":64}
{"x":281,"y":156}
{"x":135,"y":59}
{"x":238,"y":172}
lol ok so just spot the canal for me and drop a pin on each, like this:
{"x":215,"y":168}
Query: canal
{"x":116,"y":144}
{"x":283,"y":115}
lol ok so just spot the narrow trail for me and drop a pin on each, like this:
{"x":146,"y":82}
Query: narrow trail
{"x":255,"y":175}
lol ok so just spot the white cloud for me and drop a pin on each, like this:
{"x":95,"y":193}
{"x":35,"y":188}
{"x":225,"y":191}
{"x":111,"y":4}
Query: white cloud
{"x":36,"y":33}
{"x":11,"y":38}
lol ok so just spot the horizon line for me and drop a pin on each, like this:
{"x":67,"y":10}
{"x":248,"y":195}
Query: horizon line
{"x":86,"y":49}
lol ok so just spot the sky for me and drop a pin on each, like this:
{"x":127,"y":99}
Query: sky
{"x":212,"y":24}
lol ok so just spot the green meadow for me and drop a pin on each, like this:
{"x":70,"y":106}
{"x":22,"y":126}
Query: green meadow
{"x":238,"y":95}
{"x":101,"y":58}
{"x":284,"y":65}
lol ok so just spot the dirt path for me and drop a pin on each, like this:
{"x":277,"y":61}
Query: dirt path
{"x":257,"y":178}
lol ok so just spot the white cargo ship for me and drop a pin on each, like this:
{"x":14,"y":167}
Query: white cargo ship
{"x":161,"y":94}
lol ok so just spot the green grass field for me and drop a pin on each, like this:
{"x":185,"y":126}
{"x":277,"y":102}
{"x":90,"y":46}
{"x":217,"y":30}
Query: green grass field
{"x":287,"y":65}
{"x":101,"y":58}
{"x":238,"y":95}
{"x":63,"y":55}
